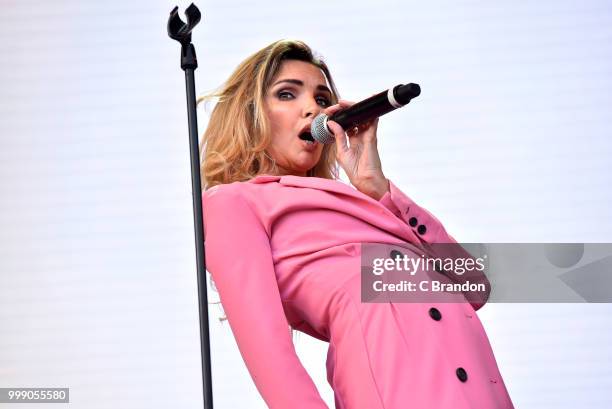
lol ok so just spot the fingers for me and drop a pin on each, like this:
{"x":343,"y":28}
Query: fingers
{"x":367,"y":129}
{"x":335,"y":128}
{"x":342,"y":104}
{"x":363,"y":127}
{"x":339,"y":135}
{"x":373,"y":123}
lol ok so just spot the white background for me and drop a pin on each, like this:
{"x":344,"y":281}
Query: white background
{"x":509,"y":142}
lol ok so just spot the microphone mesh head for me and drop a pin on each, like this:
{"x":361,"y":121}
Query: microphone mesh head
{"x":319,"y":130}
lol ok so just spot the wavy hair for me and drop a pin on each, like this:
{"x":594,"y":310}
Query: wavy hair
{"x":233,"y":147}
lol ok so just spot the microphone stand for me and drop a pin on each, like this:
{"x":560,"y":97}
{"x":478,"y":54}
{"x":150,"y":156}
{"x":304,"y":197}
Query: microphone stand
{"x":181,"y":32}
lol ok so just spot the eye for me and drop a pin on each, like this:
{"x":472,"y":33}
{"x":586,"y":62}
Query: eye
{"x":323,"y":101}
{"x":284,"y":95}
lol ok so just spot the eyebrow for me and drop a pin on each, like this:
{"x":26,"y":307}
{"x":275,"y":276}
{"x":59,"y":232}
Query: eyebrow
{"x":301,"y":83}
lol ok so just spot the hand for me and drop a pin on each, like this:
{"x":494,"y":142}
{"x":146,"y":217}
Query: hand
{"x":360,"y":160}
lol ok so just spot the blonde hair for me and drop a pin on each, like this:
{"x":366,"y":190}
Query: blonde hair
{"x":233,"y":147}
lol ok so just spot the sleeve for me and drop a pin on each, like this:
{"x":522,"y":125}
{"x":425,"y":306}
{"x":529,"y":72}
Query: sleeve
{"x":239,"y":258}
{"x":425,"y":225}
{"x":435,"y":239}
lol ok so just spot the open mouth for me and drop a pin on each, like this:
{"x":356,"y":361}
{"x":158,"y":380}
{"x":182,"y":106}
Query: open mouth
{"x":307,"y":136}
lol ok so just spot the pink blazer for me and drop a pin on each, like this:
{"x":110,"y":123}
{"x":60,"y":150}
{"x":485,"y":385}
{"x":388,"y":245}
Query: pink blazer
{"x":285,"y":250}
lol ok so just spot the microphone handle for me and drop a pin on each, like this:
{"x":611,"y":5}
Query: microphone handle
{"x":376,"y":106}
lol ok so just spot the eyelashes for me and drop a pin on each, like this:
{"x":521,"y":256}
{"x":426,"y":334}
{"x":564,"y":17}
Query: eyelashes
{"x":285,"y":95}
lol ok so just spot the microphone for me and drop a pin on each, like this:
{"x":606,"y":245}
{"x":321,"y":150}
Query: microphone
{"x":364,"y":111}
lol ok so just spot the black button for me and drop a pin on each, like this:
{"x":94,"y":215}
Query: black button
{"x":435,"y":314}
{"x":421,"y":229}
{"x":461,"y":374}
{"x":413,"y":221}
{"x":395,"y":254}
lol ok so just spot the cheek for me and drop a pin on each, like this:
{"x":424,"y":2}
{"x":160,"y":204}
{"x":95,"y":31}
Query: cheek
{"x":278,"y":120}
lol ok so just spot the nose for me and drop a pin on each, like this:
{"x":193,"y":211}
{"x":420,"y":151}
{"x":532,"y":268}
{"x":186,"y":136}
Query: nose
{"x":311,"y":108}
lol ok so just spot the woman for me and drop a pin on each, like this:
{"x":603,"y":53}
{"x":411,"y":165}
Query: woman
{"x":283,"y":245}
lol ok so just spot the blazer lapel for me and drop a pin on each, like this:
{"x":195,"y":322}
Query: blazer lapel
{"x":334,"y":186}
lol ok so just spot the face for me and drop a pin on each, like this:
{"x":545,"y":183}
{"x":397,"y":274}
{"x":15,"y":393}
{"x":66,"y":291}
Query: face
{"x":297,"y":94}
